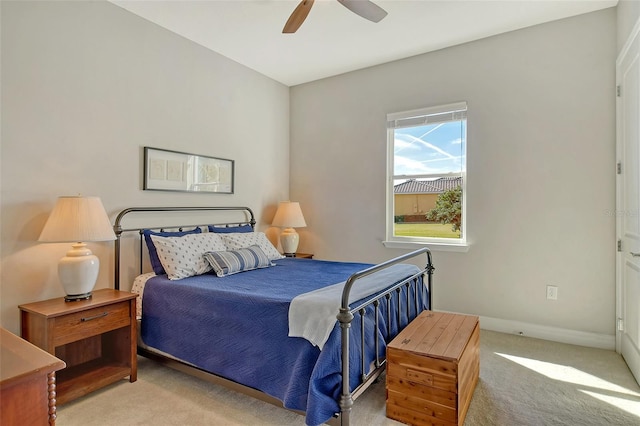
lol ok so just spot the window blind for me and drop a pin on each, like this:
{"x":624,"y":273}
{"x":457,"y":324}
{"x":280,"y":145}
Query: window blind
{"x":425,"y":116}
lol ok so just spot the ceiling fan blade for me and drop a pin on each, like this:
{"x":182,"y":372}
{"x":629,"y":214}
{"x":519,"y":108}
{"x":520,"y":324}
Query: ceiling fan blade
{"x":365,"y":8}
{"x":297,"y":17}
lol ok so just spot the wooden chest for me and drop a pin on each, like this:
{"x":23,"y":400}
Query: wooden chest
{"x":432,"y":369}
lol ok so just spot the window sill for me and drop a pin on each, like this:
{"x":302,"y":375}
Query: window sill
{"x":412,"y":245}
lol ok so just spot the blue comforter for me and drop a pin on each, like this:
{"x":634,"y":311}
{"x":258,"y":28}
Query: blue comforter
{"x":237,"y":327}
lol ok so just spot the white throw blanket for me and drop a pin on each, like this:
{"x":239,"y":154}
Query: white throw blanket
{"x":312,"y":315}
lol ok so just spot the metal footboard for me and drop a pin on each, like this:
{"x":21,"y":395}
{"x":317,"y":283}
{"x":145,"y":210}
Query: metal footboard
{"x":346,"y":316}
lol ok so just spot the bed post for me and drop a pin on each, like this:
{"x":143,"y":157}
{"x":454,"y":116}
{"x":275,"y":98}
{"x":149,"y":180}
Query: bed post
{"x":430,"y":268}
{"x":117,"y":229}
{"x":346,"y":399}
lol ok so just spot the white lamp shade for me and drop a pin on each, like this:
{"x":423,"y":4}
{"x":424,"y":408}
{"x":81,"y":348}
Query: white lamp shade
{"x":78,"y":219}
{"x":289,"y":215}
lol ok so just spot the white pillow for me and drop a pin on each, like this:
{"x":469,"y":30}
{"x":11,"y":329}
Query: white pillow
{"x":183,"y":257}
{"x":240,"y":240}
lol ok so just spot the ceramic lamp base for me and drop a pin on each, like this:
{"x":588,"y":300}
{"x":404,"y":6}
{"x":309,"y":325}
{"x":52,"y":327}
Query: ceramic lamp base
{"x":78,"y":272}
{"x":289,"y":240}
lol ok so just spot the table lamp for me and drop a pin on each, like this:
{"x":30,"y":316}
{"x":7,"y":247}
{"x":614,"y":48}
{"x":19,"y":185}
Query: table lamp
{"x":289,"y":216}
{"x":77,"y":220}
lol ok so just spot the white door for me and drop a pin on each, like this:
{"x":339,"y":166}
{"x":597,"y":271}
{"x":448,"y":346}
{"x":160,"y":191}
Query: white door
{"x":628,"y":203}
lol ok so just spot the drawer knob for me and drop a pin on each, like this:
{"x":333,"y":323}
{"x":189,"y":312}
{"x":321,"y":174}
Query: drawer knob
{"x":104,"y":314}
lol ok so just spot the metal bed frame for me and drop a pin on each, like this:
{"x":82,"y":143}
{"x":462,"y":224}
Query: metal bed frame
{"x":345,"y":315}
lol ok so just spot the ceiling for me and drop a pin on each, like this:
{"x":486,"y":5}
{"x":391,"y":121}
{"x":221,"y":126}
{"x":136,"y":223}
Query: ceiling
{"x":333,"y":40}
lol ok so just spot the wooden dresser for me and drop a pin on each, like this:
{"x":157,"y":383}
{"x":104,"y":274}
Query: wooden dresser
{"x":432,"y":369}
{"x":27,"y":382}
{"x":96,"y":338}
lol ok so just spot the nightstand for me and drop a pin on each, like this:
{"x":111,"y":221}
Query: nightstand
{"x":96,"y":338}
{"x":301,"y":255}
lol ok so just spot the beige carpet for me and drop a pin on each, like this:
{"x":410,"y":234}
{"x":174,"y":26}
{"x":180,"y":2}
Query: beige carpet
{"x":523,"y":381}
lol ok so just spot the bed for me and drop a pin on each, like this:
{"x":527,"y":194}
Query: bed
{"x":307,"y":335}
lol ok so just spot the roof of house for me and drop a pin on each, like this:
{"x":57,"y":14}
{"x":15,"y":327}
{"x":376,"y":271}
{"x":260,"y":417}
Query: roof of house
{"x":438,"y":186}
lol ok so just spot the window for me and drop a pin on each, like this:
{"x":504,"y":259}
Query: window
{"x":426,"y":184}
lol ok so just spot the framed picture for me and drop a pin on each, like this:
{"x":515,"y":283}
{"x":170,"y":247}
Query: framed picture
{"x":179,"y":171}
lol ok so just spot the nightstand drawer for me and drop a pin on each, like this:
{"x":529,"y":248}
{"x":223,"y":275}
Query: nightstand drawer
{"x":92,"y":322}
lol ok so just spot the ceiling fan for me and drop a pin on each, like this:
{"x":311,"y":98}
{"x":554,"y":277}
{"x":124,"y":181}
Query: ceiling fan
{"x":364,"y":8}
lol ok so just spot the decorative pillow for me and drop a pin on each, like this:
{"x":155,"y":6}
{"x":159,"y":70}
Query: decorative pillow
{"x":156,"y":265}
{"x":230,"y":229}
{"x":240,"y":240}
{"x":183,"y":257}
{"x":231,"y":262}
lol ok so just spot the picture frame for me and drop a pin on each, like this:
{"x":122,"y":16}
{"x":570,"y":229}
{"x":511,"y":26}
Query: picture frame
{"x":166,"y":170}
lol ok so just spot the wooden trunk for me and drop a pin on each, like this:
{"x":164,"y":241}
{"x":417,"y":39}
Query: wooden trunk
{"x":432,"y":369}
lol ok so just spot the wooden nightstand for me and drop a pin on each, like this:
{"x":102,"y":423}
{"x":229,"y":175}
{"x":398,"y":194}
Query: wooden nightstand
{"x":96,"y":338}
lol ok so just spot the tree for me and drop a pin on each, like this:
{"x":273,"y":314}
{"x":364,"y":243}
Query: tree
{"x":448,"y":208}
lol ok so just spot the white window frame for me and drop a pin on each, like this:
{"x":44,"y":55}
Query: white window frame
{"x":410,"y":119}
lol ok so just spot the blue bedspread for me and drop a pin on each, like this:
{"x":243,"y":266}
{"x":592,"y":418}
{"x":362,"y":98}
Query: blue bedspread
{"x":237,"y":327}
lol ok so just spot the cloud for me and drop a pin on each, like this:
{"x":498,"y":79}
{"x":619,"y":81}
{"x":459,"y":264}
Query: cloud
{"x":412,"y":142}
{"x":401,"y":144}
{"x":410,"y":166}
{"x":405,"y":165}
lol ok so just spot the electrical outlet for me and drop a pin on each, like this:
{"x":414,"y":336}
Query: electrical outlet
{"x":552,"y":292}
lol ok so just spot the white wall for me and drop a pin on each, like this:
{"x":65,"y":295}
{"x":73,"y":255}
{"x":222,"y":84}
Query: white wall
{"x":541,"y":156}
{"x":628,"y":13}
{"x":85,"y":85}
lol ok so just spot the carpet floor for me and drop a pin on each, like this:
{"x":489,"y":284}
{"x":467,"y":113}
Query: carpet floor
{"x":523,"y":381}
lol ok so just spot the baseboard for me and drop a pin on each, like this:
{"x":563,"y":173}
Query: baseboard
{"x":562,"y":335}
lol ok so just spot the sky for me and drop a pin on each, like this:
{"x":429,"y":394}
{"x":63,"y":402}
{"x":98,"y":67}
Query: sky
{"x":434,"y":148}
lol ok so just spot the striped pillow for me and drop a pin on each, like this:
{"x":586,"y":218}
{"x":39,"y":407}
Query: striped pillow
{"x":233,"y":261}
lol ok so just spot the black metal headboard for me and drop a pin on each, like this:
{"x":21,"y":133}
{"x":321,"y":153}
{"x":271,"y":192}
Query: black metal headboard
{"x":117,"y":227}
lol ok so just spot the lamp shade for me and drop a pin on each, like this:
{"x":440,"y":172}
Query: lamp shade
{"x":289,"y":215}
{"x":75,"y":219}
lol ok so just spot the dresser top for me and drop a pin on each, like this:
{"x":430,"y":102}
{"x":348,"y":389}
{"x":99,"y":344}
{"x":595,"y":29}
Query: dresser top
{"x":19,"y":358}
